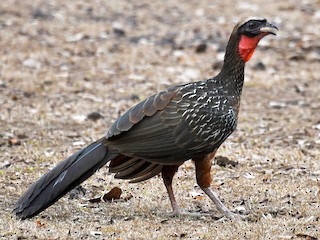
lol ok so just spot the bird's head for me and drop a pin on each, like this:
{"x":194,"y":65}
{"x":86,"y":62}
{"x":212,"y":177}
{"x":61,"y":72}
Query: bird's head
{"x":249,"y":32}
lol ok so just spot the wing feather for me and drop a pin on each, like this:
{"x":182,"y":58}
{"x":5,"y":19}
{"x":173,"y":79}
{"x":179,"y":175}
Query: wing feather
{"x":146,"y":108}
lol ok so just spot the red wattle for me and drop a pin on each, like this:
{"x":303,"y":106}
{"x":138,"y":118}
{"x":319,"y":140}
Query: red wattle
{"x":247,"y":45}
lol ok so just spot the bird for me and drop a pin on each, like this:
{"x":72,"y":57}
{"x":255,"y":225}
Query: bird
{"x":184,"y":122}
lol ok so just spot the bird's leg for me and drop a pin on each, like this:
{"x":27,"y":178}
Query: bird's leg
{"x":168,"y":172}
{"x":203,"y":167}
{"x":220,"y":206}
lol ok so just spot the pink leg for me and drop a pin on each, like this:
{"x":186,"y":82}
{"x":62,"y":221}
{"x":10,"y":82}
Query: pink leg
{"x":167,"y":176}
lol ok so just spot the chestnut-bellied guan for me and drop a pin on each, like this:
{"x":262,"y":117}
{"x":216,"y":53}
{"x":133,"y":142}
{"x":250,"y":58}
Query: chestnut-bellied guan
{"x":183,"y":122}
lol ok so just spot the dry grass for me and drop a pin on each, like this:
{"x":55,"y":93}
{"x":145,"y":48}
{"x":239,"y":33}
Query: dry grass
{"x":61,"y":60}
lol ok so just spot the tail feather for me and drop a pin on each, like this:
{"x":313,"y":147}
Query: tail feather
{"x":61,"y":179}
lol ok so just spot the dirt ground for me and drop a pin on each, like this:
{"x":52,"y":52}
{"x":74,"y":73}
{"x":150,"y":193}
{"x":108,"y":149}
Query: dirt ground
{"x":68,"y":69}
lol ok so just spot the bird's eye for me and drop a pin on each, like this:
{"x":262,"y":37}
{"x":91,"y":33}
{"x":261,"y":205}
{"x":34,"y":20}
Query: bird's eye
{"x":252,"y":25}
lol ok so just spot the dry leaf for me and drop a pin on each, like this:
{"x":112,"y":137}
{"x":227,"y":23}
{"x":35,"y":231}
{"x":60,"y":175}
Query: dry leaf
{"x":14,"y":141}
{"x":224,"y":161}
{"x":40,"y":224}
{"x":114,"y":193}
{"x":199,"y":198}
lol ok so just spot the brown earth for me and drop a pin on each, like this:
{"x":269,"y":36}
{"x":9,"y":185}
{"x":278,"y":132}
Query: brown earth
{"x":63,"y":60}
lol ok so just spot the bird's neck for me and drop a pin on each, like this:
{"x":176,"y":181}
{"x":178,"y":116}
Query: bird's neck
{"x":232,"y":72}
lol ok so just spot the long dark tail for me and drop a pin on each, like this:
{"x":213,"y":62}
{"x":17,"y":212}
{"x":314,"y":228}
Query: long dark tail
{"x":61,"y":179}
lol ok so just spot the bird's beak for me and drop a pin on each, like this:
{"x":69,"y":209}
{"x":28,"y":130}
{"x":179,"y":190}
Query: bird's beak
{"x":269,"y":29}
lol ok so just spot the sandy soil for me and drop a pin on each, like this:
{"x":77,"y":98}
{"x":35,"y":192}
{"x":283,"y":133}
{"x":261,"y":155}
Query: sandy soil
{"x":61,"y":61}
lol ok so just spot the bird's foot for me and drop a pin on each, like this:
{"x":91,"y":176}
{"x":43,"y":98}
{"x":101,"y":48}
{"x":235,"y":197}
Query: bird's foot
{"x":231,"y":216}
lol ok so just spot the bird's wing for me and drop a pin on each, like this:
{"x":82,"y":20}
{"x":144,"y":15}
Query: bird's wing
{"x":147,"y":108}
{"x":169,"y":128}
